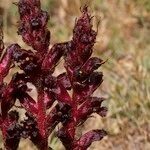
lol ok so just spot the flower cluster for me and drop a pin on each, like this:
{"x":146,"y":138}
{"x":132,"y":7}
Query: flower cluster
{"x":66,"y":98}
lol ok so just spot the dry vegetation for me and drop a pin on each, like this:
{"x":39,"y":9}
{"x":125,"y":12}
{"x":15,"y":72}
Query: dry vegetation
{"x":124,"y":40}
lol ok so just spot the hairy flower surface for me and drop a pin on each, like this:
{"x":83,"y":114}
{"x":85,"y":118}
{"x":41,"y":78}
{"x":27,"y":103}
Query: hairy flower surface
{"x":54,"y":105}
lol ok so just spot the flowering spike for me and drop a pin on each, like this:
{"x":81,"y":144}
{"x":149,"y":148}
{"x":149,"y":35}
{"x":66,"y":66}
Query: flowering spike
{"x":65,"y":98}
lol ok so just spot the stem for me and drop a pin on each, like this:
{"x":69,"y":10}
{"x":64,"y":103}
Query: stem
{"x":41,"y":120}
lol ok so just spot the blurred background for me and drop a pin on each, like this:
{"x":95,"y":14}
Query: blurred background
{"x":123,"y":39}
